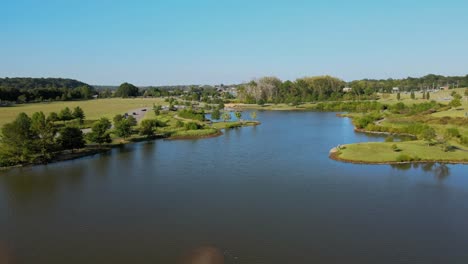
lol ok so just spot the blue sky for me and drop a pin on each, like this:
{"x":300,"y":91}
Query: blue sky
{"x":216,"y":41}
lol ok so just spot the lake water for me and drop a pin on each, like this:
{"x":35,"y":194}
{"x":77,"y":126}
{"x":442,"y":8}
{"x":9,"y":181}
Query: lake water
{"x":266,"y":194}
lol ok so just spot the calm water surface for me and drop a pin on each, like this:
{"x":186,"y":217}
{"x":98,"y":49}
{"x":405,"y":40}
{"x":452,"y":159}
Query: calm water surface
{"x":266,"y":194}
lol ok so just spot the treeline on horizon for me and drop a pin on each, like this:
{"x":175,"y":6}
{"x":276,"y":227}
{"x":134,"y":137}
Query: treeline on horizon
{"x":260,"y":91}
{"x":22,"y":90}
{"x":329,"y":88}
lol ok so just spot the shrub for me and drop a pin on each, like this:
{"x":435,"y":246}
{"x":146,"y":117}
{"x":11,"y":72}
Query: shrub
{"x":403,"y":158}
{"x":389,"y":139}
{"x":192,"y":126}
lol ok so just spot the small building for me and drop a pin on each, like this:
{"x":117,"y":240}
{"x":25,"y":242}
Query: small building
{"x":347,"y":89}
{"x":395,"y":90}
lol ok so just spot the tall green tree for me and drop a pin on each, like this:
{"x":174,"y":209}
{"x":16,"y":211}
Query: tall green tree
{"x":157,"y":109}
{"x":71,"y":137}
{"x":123,"y":126}
{"x":216,"y":114}
{"x":16,"y":141}
{"x":44,"y":133}
{"x":147,"y":127}
{"x":65,"y":114}
{"x":428,"y":96}
{"x":412,"y":95}
{"x":78,"y":113}
{"x":126,"y":90}
{"x":100,"y":131}
{"x":398,"y":96}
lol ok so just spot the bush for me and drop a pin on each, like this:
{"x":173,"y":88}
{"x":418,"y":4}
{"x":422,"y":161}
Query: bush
{"x":192,"y":126}
{"x":389,"y":139}
{"x":191,"y":114}
{"x":404,"y":158}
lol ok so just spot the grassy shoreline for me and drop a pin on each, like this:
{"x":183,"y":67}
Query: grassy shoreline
{"x":415,"y":151}
{"x":92,"y":150}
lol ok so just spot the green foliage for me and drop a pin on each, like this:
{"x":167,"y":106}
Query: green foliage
{"x":71,"y":137}
{"x":65,"y":114}
{"x":78,"y":113}
{"x":406,"y":158}
{"x":428,"y":96}
{"x":216,"y":114}
{"x":53,"y":117}
{"x":157,"y":109}
{"x":395,"y":148}
{"x":358,"y":106}
{"x":455,"y":103}
{"x":179,"y":123}
{"x":43,"y":89}
{"x":452,"y":133}
{"x":191,"y":114}
{"x":412,"y":96}
{"x":147,"y":127}
{"x":398,"y":96}
{"x":192,"y":126}
{"x":428,"y":134}
{"x":238,"y":115}
{"x":44,"y":134}
{"x":123,"y":126}
{"x":100,"y":131}
{"x":364,"y":121}
{"x":466,"y":92}
{"x":126,"y":90}
{"x":226,"y":116}
{"x":389,"y":139}
{"x":16,"y":142}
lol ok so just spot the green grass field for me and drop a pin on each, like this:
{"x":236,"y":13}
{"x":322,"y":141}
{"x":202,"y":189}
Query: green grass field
{"x":375,"y":152}
{"x":94,"y":109}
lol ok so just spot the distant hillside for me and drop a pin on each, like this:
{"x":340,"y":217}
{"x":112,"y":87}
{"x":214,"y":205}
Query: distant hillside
{"x":22,"y":90}
{"x":35,"y":83}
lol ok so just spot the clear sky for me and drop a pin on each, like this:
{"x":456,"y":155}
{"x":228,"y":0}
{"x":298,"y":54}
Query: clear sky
{"x":164,"y":42}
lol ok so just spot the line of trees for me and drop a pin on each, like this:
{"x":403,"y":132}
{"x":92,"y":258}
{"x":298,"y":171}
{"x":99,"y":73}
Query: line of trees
{"x":328,"y":88}
{"x":36,"y":139}
{"x":23,"y":90}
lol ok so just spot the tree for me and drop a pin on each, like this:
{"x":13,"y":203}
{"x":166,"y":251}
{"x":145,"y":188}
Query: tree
{"x":147,"y":127}
{"x":428,"y":95}
{"x":253,"y":115}
{"x":466,"y":92}
{"x":157,"y":109}
{"x":428,"y":134}
{"x":71,"y":137}
{"x":123,"y":126}
{"x":126,"y":90}
{"x":53,"y":117}
{"x":424,"y":95}
{"x":44,"y":133}
{"x":238,"y":115}
{"x":78,"y":113}
{"x":226,"y":116}
{"x":65,"y":114}
{"x":398,"y":96}
{"x":412,"y":95}
{"x":99,"y":131}
{"x":216,"y":114}
{"x":455,"y":103}
{"x":16,"y":141}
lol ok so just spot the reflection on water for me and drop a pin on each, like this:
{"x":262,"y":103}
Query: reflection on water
{"x":265,"y":194}
{"x":439,"y":170}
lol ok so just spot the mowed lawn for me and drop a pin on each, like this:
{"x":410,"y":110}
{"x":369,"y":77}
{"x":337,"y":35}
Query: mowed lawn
{"x":439,"y":96}
{"x":94,"y":109}
{"x":383,"y":152}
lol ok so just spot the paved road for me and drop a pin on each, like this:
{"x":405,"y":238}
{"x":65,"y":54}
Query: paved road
{"x":138,"y":114}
